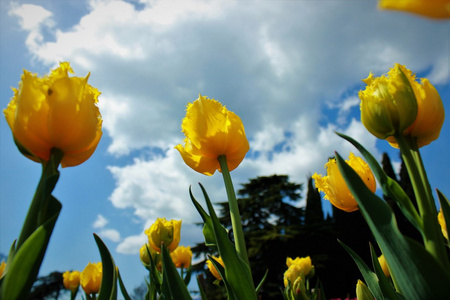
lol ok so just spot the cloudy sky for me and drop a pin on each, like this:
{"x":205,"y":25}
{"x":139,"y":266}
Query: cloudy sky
{"x":290,"y":69}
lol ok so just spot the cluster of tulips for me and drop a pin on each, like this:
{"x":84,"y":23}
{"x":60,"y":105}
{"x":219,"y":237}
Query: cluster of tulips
{"x":55,"y":121}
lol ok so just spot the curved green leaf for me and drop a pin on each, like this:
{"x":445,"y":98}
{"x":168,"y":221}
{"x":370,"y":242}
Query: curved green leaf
{"x":108,"y":289}
{"x":24,"y":266}
{"x":208,"y":231}
{"x":122,"y":287}
{"x":389,"y":186}
{"x":237,"y":272}
{"x":445,"y":206}
{"x":369,"y":276}
{"x":417,"y":273}
{"x":173,"y":286}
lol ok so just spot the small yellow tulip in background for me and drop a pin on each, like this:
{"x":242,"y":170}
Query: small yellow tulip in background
{"x":182,"y":257}
{"x":91,"y":278}
{"x":437,"y":9}
{"x":71,"y":280}
{"x":55,"y":111}
{"x":2,"y":268}
{"x":335,"y":187}
{"x":304,"y":263}
{"x":163,"y":231}
{"x":211,"y":131}
{"x":213,"y":269}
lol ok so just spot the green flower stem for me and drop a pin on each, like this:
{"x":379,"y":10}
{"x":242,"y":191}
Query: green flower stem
{"x":432,"y":236}
{"x":37,"y":213}
{"x":234,"y":211}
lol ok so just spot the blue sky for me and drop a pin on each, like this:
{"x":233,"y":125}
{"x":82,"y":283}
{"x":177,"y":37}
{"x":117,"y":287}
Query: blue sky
{"x":290,"y":69}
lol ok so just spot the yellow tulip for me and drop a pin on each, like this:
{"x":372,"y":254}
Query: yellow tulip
{"x":71,"y":280}
{"x":304,"y":263}
{"x":398,"y":104}
{"x":442,"y":223}
{"x":143,"y":254}
{"x":335,"y":187}
{"x":182,"y":257}
{"x":388,"y":104}
{"x":213,"y":269}
{"x":55,"y":111}
{"x":292,"y":274}
{"x":91,"y":278}
{"x":211,"y":131}
{"x":2,"y":268}
{"x":437,"y":9}
{"x":163,"y":231}
{"x":384,"y":265}
{"x":362,"y":291}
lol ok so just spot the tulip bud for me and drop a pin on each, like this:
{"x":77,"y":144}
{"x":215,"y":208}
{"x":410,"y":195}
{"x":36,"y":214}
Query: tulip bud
{"x":388,"y":104}
{"x":442,"y":223}
{"x":91,"y":278}
{"x":362,"y":291}
{"x":163,"y":231}
{"x":213,"y":269}
{"x":2,"y":268}
{"x":384,"y":266}
{"x":182,"y":257}
{"x":397,"y":104}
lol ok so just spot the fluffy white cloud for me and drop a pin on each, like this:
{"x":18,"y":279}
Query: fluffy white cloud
{"x":110,"y":234}
{"x":278,"y":66}
{"x":100,"y":222}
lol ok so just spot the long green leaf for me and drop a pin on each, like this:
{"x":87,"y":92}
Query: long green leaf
{"x":221,"y":270}
{"x":389,"y":186}
{"x":237,"y":272}
{"x":384,"y":282}
{"x":369,"y":276}
{"x":108,"y":289}
{"x":173,"y":286}
{"x":208,"y":231}
{"x":122,"y":287}
{"x":417,"y":273}
{"x":24,"y":267}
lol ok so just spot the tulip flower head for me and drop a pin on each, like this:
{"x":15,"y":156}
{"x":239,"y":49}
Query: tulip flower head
{"x":335,"y":187}
{"x":71,"y":280}
{"x":163,"y":231}
{"x":91,"y":278}
{"x":182,"y":257}
{"x":398,"y":104}
{"x":55,"y":111}
{"x":436,"y":9}
{"x":212,"y":131}
{"x":213,"y":269}
{"x":304,"y":263}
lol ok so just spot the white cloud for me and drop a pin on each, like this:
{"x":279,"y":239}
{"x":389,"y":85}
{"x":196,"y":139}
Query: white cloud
{"x":33,"y":18}
{"x":110,"y":234}
{"x":277,"y":66}
{"x":100,"y":222}
{"x":131,"y":244}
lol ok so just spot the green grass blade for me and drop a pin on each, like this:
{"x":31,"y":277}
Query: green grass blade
{"x":108,"y":289}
